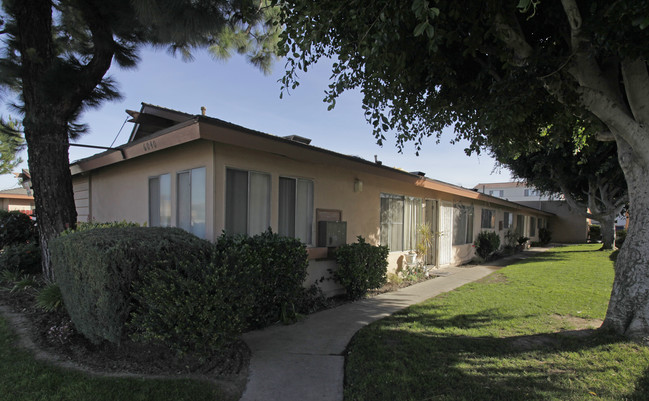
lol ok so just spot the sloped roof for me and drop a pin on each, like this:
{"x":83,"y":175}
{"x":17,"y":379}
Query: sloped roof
{"x":15,"y":193}
{"x":186,"y":128}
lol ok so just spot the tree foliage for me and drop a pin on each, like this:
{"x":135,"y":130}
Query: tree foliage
{"x":423,"y":66}
{"x":11,"y":142}
{"x":585,"y":172}
{"x":494,"y":69}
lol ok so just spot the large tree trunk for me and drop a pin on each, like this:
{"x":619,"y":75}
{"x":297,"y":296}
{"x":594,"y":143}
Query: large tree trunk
{"x":51,"y":181}
{"x":607,"y":226}
{"x":45,"y":124}
{"x":628,"y":309}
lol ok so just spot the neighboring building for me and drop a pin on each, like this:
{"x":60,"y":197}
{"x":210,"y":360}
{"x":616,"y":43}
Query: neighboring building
{"x":17,"y":199}
{"x":207,"y":176}
{"x":569,"y":226}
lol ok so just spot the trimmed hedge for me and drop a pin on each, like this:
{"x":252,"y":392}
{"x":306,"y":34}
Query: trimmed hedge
{"x":251,"y":282}
{"x":361,"y":267}
{"x":95,"y":270}
{"x":273,"y":269}
{"x":190,"y":308}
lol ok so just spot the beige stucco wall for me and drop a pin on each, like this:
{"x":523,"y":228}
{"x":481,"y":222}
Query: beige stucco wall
{"x":567,"y":226}
{"x":16,"y":204}
{"x":120,"y":191}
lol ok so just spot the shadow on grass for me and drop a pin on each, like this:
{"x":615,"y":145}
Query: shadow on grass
{"x":641,"y":392}
{"x":387,"y":363}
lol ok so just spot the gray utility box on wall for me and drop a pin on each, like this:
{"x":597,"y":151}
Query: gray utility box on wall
{"x":332,"y":233}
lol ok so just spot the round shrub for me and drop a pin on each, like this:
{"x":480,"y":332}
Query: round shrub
{"x":16,"y":228}
{"x":487,"y":243}
{"x":190,"y":307}
{"x":272,"y":268}
{"x":96,"y":268}
{"x":361,"y":267}
{"x":545,"y":236}
{"x":24,"y":258}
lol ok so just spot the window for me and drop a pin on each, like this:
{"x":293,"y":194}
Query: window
{"x":392,"y":221}
{"x":247,"y":202}
{"x":488,"y":218}
{"x":508,"y":220}
{"x":160,"y":201}
{"x":520,"y":225}
{"x":413,"y":215}
{"x":531,"y":192}
{"x":497,"y":192}
{"x":462,"y":225}
{"x":532,"y":226}
{"x":296,"y":209}
{"x":401,"y":216}
{"x":191,"y":201}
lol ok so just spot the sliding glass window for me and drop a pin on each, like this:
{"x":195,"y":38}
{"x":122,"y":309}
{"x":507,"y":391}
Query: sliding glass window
{"x":247,"y":202}
{"x":191,"y":201}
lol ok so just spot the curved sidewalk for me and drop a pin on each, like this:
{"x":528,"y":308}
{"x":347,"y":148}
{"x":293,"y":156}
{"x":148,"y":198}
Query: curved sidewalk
{"x":305,"y":361}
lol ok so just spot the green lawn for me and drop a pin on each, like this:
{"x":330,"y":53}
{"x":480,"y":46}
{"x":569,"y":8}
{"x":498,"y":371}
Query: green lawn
{"x":24,"y":379}
{"x":501,"y":339}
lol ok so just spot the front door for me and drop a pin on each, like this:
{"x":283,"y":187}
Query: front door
{"x":430,"y":215}
{"x":445,"y":233}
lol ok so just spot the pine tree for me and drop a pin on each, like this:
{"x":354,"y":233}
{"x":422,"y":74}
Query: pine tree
{"x":56,"y":55}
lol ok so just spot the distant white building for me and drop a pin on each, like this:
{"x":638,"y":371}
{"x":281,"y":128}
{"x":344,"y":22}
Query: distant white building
{"x":569,"y":226}
{"x":515,"y":192}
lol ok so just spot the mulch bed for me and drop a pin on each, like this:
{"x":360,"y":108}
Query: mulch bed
{"x":54,"y":334}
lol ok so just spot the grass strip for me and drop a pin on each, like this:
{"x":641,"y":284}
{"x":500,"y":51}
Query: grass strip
{"x":523,"y":333}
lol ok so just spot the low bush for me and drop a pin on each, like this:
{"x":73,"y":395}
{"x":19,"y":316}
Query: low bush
{"x":95,"y":269}
{"x":594,"y":233}
{"x":361,"y":267}
{"x":190,"y":307}
{"x":487,"y":243}
{"x":620,"y":237}
{"x":49,"y":298}
{"x":24,"y":258}
{"x":250,"y":282}
{"x":273,"y":269}
{"x":545,"y":236}
{"x":16,"y":228}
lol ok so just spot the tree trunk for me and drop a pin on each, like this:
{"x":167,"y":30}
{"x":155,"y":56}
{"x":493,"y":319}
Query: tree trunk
{"x":51,"y":182}
{"x":628,"y":309}
{"x":45,"y":124}
{"x":607,"y":226}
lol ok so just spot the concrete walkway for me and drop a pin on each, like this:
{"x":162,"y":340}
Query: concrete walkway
{"x":305,"y":361}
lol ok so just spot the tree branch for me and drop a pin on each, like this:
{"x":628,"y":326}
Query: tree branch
{"x":576,"y":206}
{"x":103,"y":52}
{"x":616,"y":117}
{"x":636,"y":85}
{"x":514,"y":40}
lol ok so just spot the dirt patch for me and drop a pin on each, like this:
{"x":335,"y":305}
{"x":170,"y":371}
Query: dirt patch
{"x":394,"y":286}
{"x":571,"y":323}
{"x":570,"y":326}
{"x":51,"y":337}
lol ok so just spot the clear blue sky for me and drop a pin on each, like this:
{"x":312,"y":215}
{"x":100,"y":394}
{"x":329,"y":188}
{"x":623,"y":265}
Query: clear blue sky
{"x":237,"y":92}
